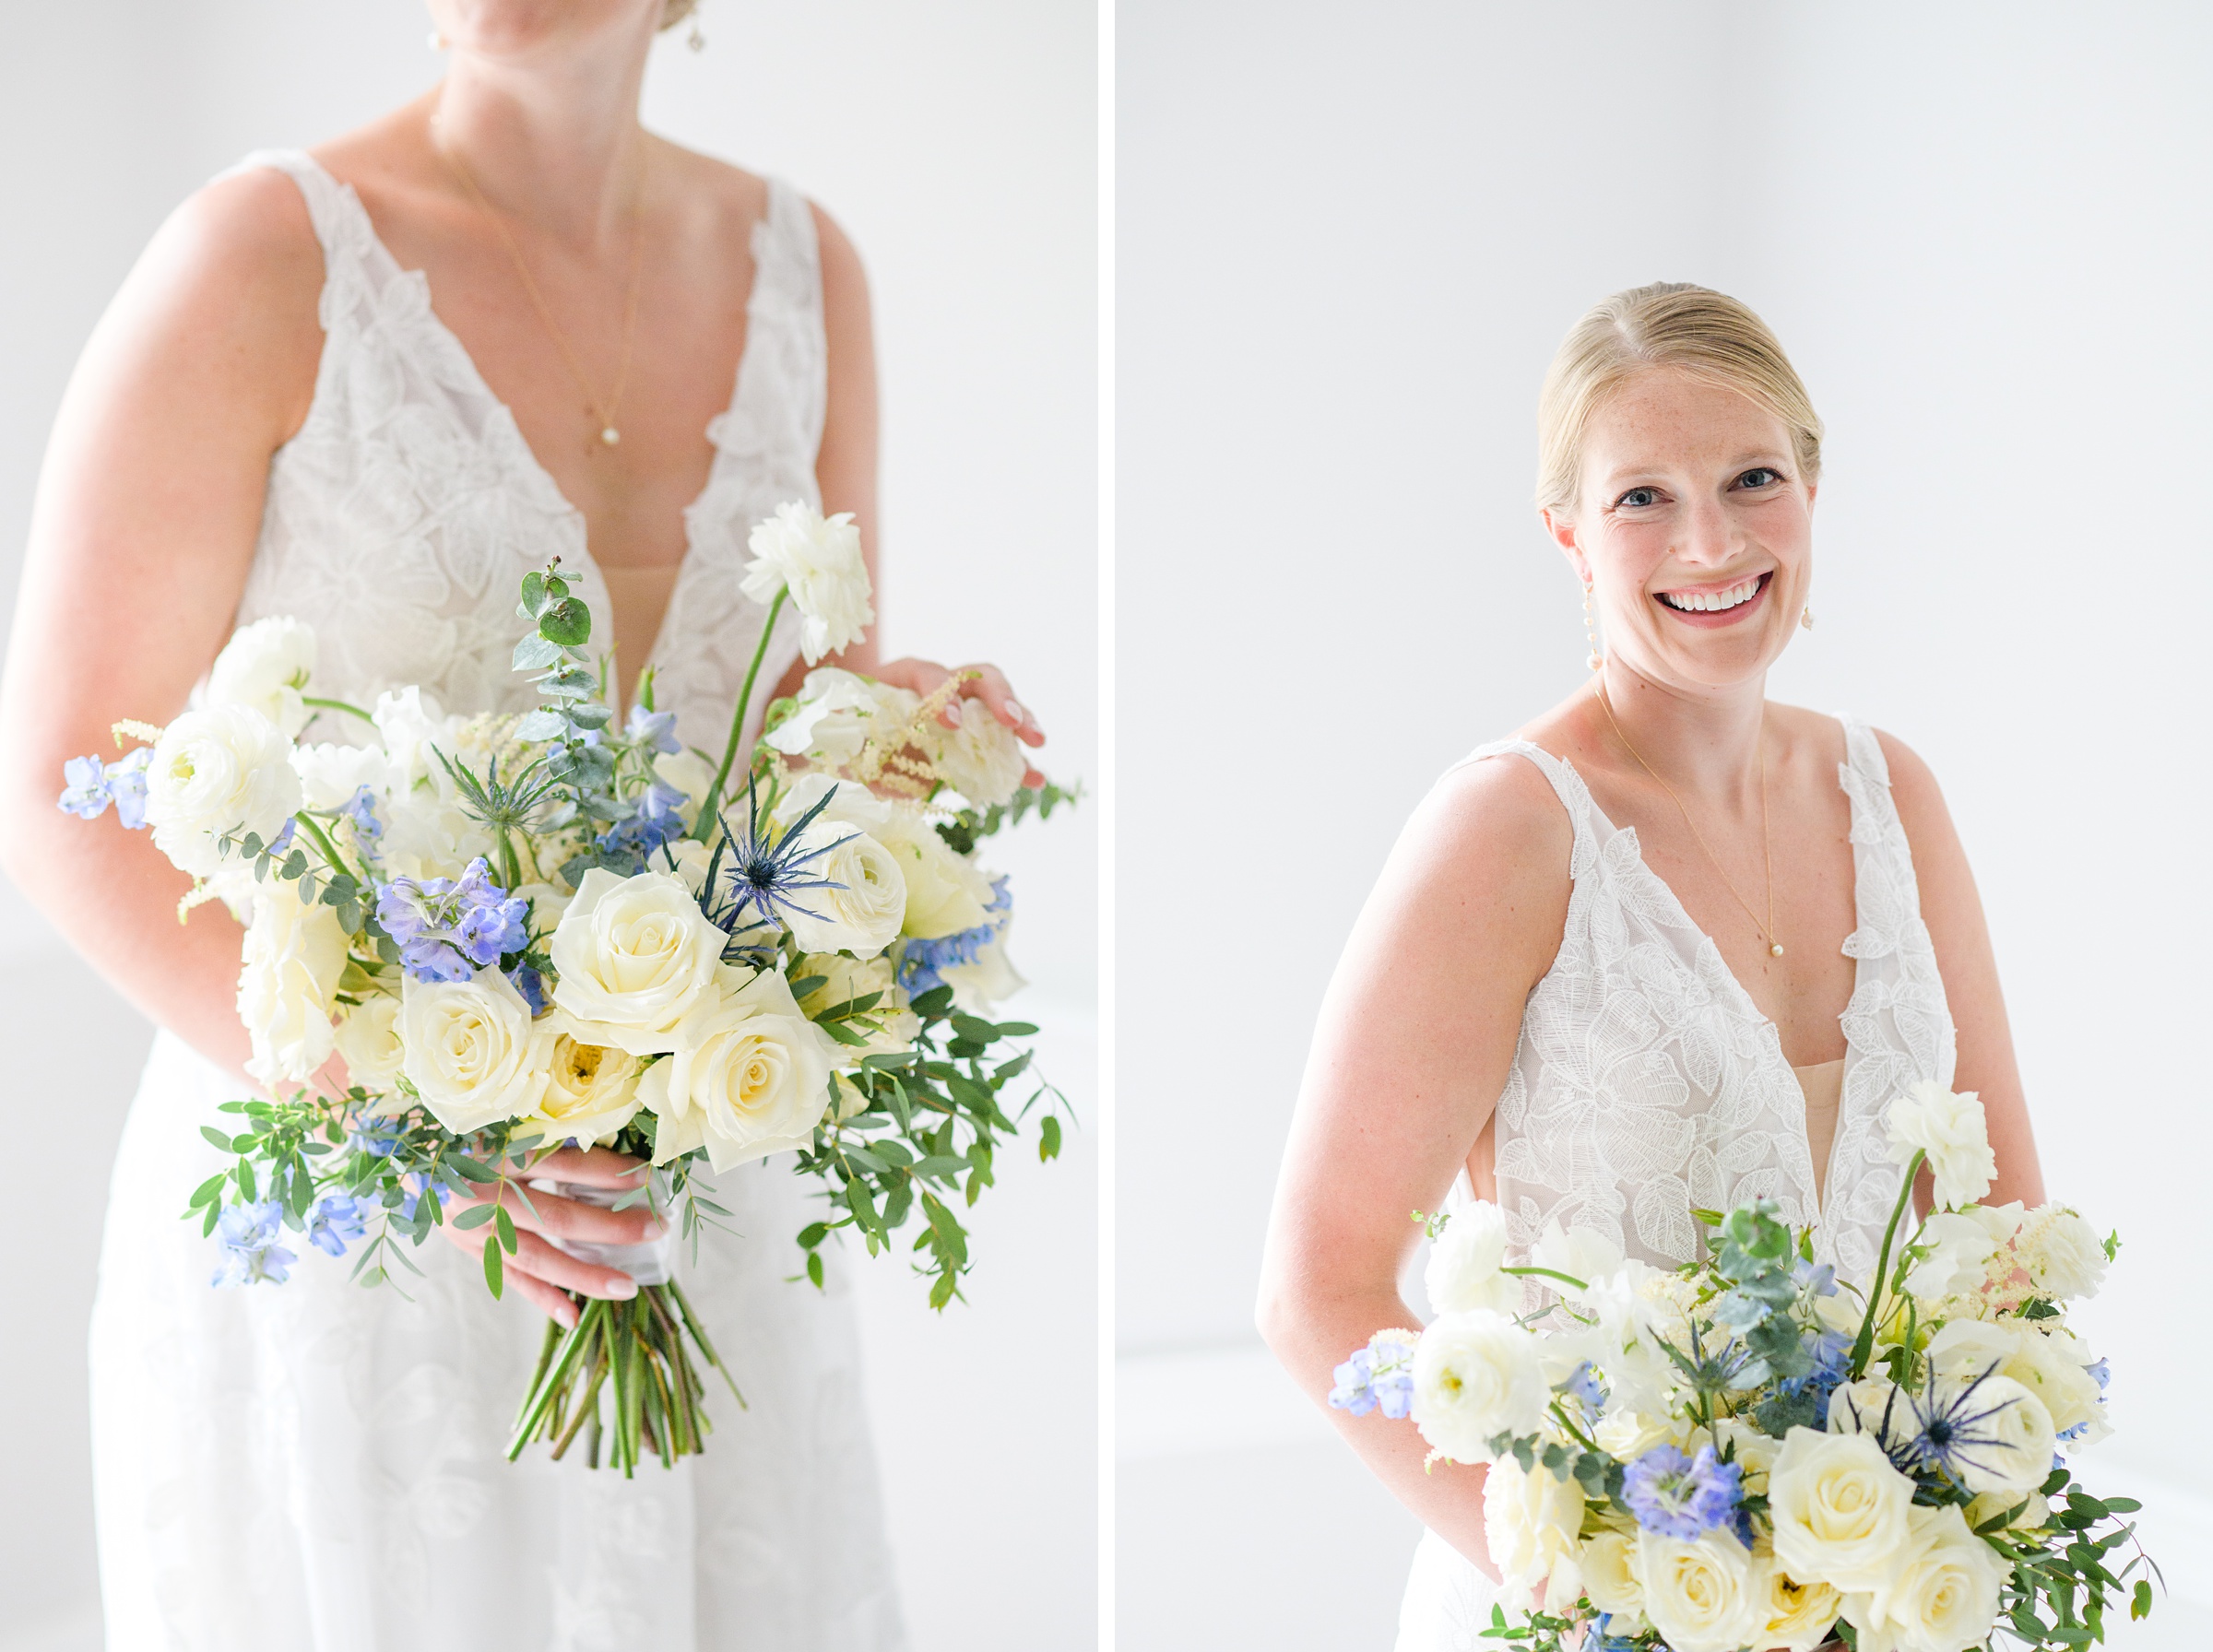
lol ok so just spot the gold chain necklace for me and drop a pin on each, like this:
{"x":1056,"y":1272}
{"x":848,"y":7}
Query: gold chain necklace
{"x":603,"y":411}
{"x":1766,"y":850}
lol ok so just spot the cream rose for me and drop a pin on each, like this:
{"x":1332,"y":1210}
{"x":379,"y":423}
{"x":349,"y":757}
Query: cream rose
{"x":2053,"y":1365}
{"x":1476,"y":1375}
{"x":265,"y":665}
{"x":979,"y":988}
{"x":1941,"y":1595}
{"x":981,"y":759}
{"x":369,"y":1040}
{"x":591,"y":1091}
{"x":1750,"y":1450}
{"x":2061,"y":1253}
{"x":224,"y":769}
{"x":1949,"y":1129}
{"x":945,"y":894}
{"x":288,"y":986}
{"x":689,"y":773}
{"x":817,"y":559}
{"x":1609,"y":1562}
{"x":1627,"y":1436}
{"x":1839,"y":1510}
{"x":472,"y":1052}
{"x":634,"y":956}
{"x":751,"y":1074}
{"x":1529,"y":1522}
{"x":863,"y":914}
{"x":1700,"y":1595}
{"x":2015,"y":1440}
{"x":847,"y":980}
{"x":1798,"y":1616}
{"x":1463,"y":1271}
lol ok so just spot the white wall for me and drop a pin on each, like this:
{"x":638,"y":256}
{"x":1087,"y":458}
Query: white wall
{"x":956,"y":145}
{"x":1350,"y":238}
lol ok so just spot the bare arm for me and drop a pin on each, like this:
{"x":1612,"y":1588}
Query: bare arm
{"x":1953,"y":911}
{"x":1413,"y":1047}
{"x":148,"y":508}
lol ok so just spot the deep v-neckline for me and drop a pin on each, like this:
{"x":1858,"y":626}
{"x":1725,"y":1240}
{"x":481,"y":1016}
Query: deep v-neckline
{"x":526,"y":456}
{"x":1826,"y":1182}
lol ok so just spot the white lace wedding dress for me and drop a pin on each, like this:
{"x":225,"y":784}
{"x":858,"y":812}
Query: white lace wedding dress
{"x":1646,"y":1083}
{"x":315,"y":1467}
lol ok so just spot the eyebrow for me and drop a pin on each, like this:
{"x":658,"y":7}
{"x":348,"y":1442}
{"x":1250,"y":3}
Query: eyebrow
{"x":1622,"y":476}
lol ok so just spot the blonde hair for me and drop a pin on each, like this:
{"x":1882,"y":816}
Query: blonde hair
{"x":675,"y":11}
{"x":1693,"y":330}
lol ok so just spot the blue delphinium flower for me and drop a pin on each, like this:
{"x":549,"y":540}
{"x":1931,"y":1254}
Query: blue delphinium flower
{"x":923,"y":963}
{"x":448,"y":928}
{"x":333,"y":1221}
{"x":2103,"y":1371}
{"x":90,"y":785}
{"x":248,"y":1234}
{"x":654,"y":730}
{"x":1378,"y":1377}
{"x":360,"y":808}
{"x":1583,"y":1385}
{"x":415,"y":1184}
{"x":85,"y":788}
{"x":1680,"y":1496}
{"x":656,"y":819}
{"x":532,"y":985}
{"x":1604,"y":1640}
{"x":374,"y":1137}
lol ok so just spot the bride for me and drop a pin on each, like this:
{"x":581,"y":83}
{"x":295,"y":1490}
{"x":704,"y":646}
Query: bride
{"x":371,"y":386}
{"x":1672,"y":945}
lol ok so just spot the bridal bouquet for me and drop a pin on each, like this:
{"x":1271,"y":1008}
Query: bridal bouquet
{"x":1740,"y":1453}
{"x":529,"y":930}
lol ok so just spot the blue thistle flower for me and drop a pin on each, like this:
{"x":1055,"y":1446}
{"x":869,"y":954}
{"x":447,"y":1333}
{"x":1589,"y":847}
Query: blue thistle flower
{"x":768,"y":873}
{"x":1681,"y":1496}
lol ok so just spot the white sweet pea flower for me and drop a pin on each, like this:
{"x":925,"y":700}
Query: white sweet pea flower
{"x":1961,"y":1252}
{"x":331,"y":774}
{"x":838,"y":712}
{"x":2062,"y":1254}
{"x":409,"y":724}
{"x":981,"y":759}
{"x":1584,"y":1254}
{"x":265,"y":665}
{"x":1949,"y":1129}
{"x":294,"y":954}
{"x":1462,"y":1273}
{"x":818,"y":560}
{"x":221,"y":769}
{"x":751,"y":1074}
{"x":1476,"y":1375}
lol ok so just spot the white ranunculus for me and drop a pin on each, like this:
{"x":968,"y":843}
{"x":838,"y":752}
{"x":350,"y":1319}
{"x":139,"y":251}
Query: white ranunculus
{"x":1942,"y":1593}
{"x":751,"y":1074}
{"x":330,"y":774}
{"x":265,"y":665}
{"x":836,"y":714}
{"x":223,"y":769}
{"x":288,"y":986}
{"x":1872,"y":1406}
{"x":1476,"y":1375}
{"x":369,"y":1040}
{"x":863,"y":914}
{"x":429,"y":834}
{"x":1949,"y":1129}
{"x":1798,"y":1616}
{"x":1700,"y":1595}
{"x":1609,"y":1562}
{"x":632,"y":957}
{"x":817,"y":559}
{"x":2051,"y":1364}
{"x":2061,"y":1253}
{"x":591,"y":1091}
{"x":847,"y":980}
{"x":1529,"y":1522}
{"x":979,"y":988}
{"x":1839,"y":1510}
{"x":846,"y":802}
{"x":945,"y":893}
{"x":1463,"y":1271}
{"x":2014,"y":1434}
{"x":981,"y":759}
{"x":472,"y":1052}
{"x":1961,"y":1252}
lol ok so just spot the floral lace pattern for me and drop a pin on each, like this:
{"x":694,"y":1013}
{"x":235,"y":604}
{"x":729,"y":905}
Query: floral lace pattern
{"x":316,"y":1466}
{"x":1646,"y":1082}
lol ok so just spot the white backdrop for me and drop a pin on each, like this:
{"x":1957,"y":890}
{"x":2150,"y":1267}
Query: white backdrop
{"x":956,"y":145}
{"x":1349,"y":239}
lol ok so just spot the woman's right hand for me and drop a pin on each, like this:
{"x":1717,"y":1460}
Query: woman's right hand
{"x":539,"y":1270}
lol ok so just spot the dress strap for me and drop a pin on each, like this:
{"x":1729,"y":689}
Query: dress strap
{"x":1567,"y":784}
{"x":331,"y":206}
{"x":783,"y":391}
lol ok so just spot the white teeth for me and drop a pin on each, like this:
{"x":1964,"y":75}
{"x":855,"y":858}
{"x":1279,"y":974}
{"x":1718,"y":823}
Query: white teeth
{"x":1711,"y":602}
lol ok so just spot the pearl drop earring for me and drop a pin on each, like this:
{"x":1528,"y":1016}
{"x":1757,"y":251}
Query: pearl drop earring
{"x":436,"y":41}
{"x":697,"y":38}
{"x":1805,"y":616}
{"x":1595,"y":659}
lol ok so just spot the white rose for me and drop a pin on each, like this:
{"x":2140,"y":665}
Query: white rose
{"x":224,"y":769}
{"x":980,"y":987}
{"x":1839,"y":1510}
{"x":2051,"y":1365}
{"x":845,"y":981}
{"x":473,"y":1053}
{"x":1462,"y":1272}
{"x":1700,"y":1595}
{"x":981,"y":759}
{"x":689,"y":773}
{"x":632,"y":957}
{"x":1949,"y":1129}
{"x":818,"y":560}
{"x":863,"y":914}
{"x":265,"y":665}
{"x":1529,"y":1522}
{"x":2014,"y":1434}
{"x":294,"y":954}
{"x":547,"y":905}
{"x":1609,"y":1563}
{"x":838,"y":713}
{"x":1750,"y":1450}
{"x":330,"y":776}
{"x":369,"y":1040}
{"x":945,"y":893}
{"x":1961,"y":1252}
{"x":1941,"y":1596}
{"x":1798,"y":1616}
{"x":591,"y":1091}
{"x":2029,"y":1513}
{"x":1627,"y":1436}
{"x":1476,"y":1375}
{"x":2061,"y":1253}
{"x":750,"y":1076}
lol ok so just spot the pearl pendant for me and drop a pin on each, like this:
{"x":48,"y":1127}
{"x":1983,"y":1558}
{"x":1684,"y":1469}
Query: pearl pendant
{"x":1775,"y":948}
{"x":611,"y":435}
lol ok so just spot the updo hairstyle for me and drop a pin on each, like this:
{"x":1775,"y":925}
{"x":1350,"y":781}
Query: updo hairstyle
{"x":1693,"y":330}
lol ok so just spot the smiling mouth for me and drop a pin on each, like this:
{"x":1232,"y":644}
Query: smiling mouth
{"x":1716,"y":599}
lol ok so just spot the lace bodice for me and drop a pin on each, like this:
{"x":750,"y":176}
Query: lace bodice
{"x":1646,"y":1082}
{"x":402,"y":515}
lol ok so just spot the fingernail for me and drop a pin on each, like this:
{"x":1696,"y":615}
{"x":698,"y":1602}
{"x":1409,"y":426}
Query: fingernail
{"x":656,"y":1228}
{"x":623,"y":1289}
{"x":1019,"y":711}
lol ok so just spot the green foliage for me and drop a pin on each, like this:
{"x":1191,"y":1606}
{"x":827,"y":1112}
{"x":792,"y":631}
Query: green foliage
{"x":970,"y":827}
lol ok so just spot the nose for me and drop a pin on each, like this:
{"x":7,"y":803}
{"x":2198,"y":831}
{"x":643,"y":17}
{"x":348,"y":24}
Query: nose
{"x":1709,"y":535}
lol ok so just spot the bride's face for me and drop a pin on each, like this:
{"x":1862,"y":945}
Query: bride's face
{"x":1694,"y":529}
{"x":511,"y":28}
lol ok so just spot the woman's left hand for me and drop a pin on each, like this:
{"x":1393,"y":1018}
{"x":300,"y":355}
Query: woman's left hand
{"x":986,"y":683}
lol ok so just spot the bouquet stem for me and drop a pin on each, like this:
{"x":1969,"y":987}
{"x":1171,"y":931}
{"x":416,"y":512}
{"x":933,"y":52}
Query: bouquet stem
{"x":1863,"y":1344}
{"x":713,"y":800}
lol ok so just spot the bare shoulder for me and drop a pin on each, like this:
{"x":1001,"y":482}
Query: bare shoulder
{"x":245,"y":240}
{"x":1491,"y":835}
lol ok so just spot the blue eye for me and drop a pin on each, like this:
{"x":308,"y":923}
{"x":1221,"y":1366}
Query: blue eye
{"x":1759,"y":475}
{"x":1637,"y":497}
